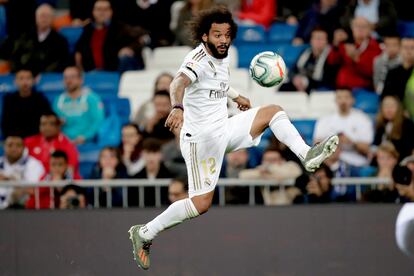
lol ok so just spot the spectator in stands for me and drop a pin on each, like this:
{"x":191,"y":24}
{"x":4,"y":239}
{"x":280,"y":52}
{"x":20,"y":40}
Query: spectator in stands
{"x":178,"y":189}
{"x":323,"y":15}
{"x":394,"y":127}
{"x":51,"y":139}
{"x":274,"y":166}
{"x":234,"y":163}
{"x":131,"y":149}
{"x":106,"y":44}
{"x":59,"y":170}
{"x":355,"y":60}
{"x":354,"y":128}
{"x":155,"y":126}
{"x":190,"y":9}
{"x":72,"y":197}
{"x":173,"y":159}
{"x":388,"y":60}
{"x":79,"y":108}
{"x":147,"y":110}
{"x":21,"y":110}
{"x":381,"y":14}
{"x":397,"y":78}
{"x":41,"y":50}
{"x":260,"y":12}
{"x":154,"y":16}
{"x":316,"y":188}
{"x":154,"y":169}
{"x":406,"y":190}
{"x":311,"y":70}
{"x":109,"y":167}
{"x":17,"y":165}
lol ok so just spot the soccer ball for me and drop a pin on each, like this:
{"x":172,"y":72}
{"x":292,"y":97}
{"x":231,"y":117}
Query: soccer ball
{"x":267,"y":69}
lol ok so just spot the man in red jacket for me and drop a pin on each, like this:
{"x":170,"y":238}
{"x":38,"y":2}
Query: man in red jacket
{"x":260,"y":12}
{"x":49,"y":140}
{"x":355,"y":59}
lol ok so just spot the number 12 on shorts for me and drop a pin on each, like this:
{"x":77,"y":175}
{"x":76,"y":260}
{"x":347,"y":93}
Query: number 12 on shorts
{"x":209,"y":166}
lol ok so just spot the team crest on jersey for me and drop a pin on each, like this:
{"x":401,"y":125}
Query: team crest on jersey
{"x":207,"y":181}
{"x":190,"y":64}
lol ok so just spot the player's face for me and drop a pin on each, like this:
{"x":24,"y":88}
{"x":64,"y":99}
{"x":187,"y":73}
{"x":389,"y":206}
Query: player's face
{"x":49,"y":126}
{"x":218,"y":40}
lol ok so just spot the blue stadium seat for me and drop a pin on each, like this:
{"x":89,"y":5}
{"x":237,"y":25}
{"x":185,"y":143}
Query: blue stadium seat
{"x":85,"y":168}
{"x":50,"y":83}
{"x":367,"y":101}
{"x":104,"y":84}
{"x":89,"y":152}
{"x":305,"y":128}
{"x":72,"y":35}
{"x":7,"y":83}
{"x":366,"y":171}
{"x":290,"y":53}
{"x":406,"y":28}
{"x":121,"y":105}
{"x":282,"y":33}
{"x":250,"y":34}
{"x":1,"y":106}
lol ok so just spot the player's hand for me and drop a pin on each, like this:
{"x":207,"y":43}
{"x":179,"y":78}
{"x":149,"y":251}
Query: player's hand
{"x":175,"y":119}
{"x":243,"y":103}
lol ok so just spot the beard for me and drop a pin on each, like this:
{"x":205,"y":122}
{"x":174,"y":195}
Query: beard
{"x":215,"y":52}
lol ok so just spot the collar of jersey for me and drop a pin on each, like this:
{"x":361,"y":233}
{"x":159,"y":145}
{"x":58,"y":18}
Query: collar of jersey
{"x":210,"y":56}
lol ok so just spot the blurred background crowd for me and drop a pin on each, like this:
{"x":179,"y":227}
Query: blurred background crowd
{"x":63,"y":64}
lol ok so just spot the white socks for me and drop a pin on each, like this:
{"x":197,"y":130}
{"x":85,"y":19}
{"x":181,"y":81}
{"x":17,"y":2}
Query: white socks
{"x":175,"y":214}
{"x":286,"y":133}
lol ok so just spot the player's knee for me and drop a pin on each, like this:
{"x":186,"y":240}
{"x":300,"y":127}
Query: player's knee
{"x":273,"y":109}
{"x":202,"y":205}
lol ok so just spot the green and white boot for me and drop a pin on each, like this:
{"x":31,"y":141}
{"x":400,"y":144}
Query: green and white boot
{"x":320,"y":152}
{"x":141,"y":247}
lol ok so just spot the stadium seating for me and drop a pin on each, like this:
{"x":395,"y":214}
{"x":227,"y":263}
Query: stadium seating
{"x":367,"y":101}
{"x":250,"y":34}
{"x":406,"y":28}
{"x":121,"y":106}
{"x":51,"y":84}
{"x":85,"y":168}
{"x":72,"y":35}
{"x":282,"y":33}
{"x":321,"y":104}
{"x":167,"y":58}
{"x":305,"y":128}
{"x":138,"y":86}
{"x":7,"y":83}
{"x":105,"y":84}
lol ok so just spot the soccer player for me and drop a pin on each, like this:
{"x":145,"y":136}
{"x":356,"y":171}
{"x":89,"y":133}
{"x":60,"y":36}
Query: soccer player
{"x":404,"y":229}
{"x":199,"y":94}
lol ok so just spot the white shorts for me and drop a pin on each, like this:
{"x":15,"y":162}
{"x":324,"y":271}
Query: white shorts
{"x":205,"y":158}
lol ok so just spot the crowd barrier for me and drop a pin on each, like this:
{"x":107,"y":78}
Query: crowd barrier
{"x":358,"y":182}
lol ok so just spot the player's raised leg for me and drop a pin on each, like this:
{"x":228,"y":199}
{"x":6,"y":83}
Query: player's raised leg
{"x":275,"y":117}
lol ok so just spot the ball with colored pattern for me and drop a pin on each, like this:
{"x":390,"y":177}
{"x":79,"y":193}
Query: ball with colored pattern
{"x":267,"y":69}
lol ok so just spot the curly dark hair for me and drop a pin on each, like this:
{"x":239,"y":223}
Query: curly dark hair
{"x":202,"y":23}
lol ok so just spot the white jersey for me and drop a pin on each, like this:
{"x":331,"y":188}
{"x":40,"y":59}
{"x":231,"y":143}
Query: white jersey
{"x":205,"y":99}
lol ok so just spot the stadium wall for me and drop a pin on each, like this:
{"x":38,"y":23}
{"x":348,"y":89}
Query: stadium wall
{"x":294,"y":240}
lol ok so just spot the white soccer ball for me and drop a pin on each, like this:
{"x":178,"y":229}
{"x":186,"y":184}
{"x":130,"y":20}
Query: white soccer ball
{"x":268,"y":69}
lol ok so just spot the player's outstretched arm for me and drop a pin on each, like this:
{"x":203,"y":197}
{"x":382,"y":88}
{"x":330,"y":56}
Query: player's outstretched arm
{"x":175,"y":119}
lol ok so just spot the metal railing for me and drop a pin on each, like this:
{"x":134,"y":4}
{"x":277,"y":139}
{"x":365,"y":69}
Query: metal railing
{"x":158,"y":183}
